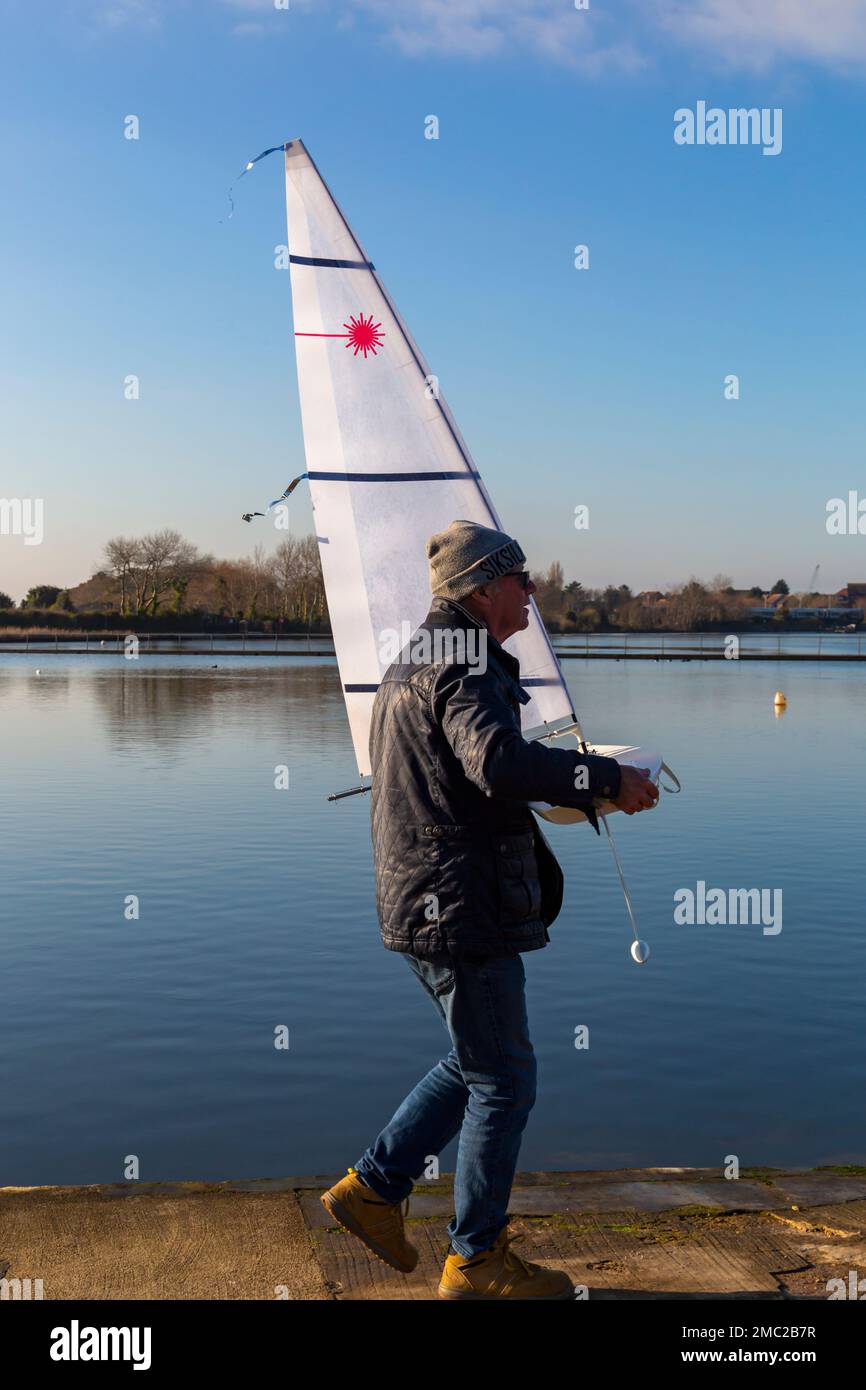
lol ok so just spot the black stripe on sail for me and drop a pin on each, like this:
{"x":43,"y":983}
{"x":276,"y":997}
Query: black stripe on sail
{"x":338,"y":265}
{"x":390,"y":477}
{"x":371,"y":689}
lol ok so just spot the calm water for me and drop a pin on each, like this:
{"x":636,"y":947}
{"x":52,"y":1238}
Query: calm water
{"x":155,"y":1037}
{"x":781,"y":644}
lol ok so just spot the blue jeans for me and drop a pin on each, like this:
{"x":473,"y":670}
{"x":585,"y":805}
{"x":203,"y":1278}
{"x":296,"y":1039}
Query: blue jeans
{"x":483,"y":1090}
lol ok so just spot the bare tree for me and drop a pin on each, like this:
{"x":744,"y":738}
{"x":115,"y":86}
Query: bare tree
{"x":286,"y":572}
{"x":311,"y":587}
{"x":121,"y":559}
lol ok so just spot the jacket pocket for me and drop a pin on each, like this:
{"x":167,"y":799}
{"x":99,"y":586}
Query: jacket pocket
{"x":517,"y":873}
{"x":461,"y":875}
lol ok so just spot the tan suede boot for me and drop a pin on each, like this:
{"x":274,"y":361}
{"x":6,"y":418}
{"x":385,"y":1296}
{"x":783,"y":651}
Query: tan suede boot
{"x":379,"y":1224}
{"x":499,"y":1273}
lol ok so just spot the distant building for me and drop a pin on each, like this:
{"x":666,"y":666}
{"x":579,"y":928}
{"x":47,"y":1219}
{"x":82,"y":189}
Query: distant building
{"x":837,"y":615}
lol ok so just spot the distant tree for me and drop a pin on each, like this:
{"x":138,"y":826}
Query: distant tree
{"x":6,"y":601}
{"x":311,"y":583}
{"x":262,"y":589}
{"x":756,"y":591}
{"x":780,"y":587}
{"x":150,"y":568}
{"x":549,"y":594}
{"x":180,"y":587}
{"x":41,"y":596}
{"x":285,"y":572}
{"x":692,"y":605}
{"x":573,"y":592}
{"x":614,"y":599}
{"x":122,"y":555}
{"x":588,"y":619}
{"x":224,"y":595}
{"x":166,"y":558}
{"x":63,"y":603}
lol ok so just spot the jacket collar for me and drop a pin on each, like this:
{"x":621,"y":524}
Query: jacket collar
{"x":448,"y":608}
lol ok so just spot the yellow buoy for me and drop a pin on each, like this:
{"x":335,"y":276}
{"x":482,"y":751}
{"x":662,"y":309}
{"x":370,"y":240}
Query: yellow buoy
{"x":779,"y":699}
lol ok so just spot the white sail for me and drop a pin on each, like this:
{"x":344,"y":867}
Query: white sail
{"x":386,"y":462}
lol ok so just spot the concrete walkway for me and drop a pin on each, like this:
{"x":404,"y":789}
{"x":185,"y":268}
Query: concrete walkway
{"x":632,"y":1233}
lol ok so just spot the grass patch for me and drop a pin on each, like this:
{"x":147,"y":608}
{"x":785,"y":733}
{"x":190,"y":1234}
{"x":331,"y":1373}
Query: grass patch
{"x":698,"y":1211}
{"x":760,"y":1174}
{"x":848,"y":1169}
{"x":555,"y":1222}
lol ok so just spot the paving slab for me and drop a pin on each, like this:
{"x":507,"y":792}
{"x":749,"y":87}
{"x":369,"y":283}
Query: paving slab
{"x":810,"y":1189}
{"x":84,"y":1243}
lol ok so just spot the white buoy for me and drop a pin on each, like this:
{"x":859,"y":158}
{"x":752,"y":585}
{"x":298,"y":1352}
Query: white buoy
{"x":38,"y":672}
{"x":640,"y":952}
{"x":779,"y":699}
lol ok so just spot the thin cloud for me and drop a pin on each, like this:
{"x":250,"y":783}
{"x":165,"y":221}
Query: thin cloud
{"x":127,"y":14}
{"x":612,"y":35}
{"x":771,"y":33}
{"x":480,"y":29}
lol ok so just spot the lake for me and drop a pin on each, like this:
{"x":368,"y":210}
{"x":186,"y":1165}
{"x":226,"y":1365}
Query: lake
{"x":155,"y":1036}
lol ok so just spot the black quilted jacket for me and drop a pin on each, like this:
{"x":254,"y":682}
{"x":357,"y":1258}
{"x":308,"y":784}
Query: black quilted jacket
{"x":461,"y":865}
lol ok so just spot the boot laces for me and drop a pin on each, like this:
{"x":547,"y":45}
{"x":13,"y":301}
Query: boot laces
{"x":389,"y":1213}
{"x":390,"y":1216}
{"x":513,"y":1262}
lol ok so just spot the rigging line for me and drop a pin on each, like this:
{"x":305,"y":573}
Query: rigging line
{"x":246,"y":169}
{"x":621,"y":878}
{"x":616,"y":860}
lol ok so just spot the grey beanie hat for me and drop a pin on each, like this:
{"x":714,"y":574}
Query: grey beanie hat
{"x":467,"y":555}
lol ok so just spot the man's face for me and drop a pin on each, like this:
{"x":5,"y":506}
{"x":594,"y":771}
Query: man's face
{"x":509,"y":605}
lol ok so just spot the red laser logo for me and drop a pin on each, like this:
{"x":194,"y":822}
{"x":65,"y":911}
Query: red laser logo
{"x":363,"y":335}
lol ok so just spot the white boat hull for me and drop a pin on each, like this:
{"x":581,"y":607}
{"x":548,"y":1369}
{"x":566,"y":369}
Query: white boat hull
{"x":626,"y":754}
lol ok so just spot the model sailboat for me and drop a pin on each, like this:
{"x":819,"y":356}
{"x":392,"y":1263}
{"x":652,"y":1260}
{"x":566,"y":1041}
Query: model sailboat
{"x":387,"y":467}
{"x":386,"y":463}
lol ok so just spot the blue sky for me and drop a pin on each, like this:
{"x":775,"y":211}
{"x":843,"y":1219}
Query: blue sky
{"x":603,"y":387}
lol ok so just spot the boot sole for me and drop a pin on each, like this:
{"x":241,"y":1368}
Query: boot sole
{"x":334,"y":1207}
{"x":456,"y":1296}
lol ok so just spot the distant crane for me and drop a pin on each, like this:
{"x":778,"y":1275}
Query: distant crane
{"x":812,"y":589}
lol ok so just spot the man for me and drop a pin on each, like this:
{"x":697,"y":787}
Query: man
{"x":465,"y":884}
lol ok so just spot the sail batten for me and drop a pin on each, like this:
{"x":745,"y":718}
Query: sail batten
{"x":373,"y":415}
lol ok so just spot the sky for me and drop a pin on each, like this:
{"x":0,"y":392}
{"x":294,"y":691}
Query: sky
{"x":602,"y":387}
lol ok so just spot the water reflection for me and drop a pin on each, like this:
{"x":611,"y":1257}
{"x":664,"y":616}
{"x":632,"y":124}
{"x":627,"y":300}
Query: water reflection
{"x":156,"y":706}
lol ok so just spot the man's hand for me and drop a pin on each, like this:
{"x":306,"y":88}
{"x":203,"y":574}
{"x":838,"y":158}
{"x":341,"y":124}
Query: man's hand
{"x":636,"y":792}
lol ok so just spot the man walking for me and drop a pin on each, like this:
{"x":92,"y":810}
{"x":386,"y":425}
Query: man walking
{"x":465,"y":884}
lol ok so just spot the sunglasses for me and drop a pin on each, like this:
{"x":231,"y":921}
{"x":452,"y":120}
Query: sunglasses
{"x":522,"y":576}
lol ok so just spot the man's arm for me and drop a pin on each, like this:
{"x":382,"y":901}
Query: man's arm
{"x":479,"y":724}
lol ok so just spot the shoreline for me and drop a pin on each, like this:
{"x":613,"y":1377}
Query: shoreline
{"x":600,"y":654}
